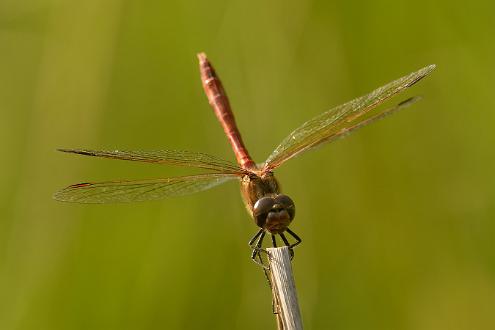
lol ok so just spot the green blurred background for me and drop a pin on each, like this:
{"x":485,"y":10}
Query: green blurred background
{"x":397,"y":220}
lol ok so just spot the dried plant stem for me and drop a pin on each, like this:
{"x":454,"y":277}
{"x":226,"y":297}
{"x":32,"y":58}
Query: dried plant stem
{"x":284,"y":289}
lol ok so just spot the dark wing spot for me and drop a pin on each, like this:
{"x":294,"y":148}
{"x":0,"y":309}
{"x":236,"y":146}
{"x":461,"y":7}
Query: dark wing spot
{"x":80,"y":185}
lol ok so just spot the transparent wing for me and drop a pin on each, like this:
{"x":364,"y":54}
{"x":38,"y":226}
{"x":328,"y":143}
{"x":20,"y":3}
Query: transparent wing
{"x":349,"y":127}
{"x":140,"y":190}
{"x":325,"y":126}
{"x":169,"y":157}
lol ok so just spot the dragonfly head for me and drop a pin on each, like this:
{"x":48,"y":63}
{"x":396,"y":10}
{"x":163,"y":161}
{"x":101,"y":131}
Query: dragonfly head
{"x":274,"y":213}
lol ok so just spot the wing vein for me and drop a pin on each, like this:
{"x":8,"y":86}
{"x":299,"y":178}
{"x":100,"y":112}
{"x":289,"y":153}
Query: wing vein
{"x":318,"y":130}
{"x":168,"y":157}
{"x":141,"y":190}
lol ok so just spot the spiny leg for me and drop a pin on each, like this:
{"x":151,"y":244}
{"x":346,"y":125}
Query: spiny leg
{"x":255,"y":244}
{"x":297,"y":238}
{"x":284,"y":239}
{"x":251,"y":242}
{"x":257,"y":248}
{"x":260,"y":240}
{"x":274,"y":241}
{"x":286,"y":242}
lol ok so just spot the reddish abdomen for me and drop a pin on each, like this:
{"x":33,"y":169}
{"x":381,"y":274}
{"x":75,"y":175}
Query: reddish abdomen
{"x":220,"y":104}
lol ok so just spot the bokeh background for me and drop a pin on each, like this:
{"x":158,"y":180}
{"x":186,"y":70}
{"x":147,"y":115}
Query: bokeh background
{"x":398,"y":220}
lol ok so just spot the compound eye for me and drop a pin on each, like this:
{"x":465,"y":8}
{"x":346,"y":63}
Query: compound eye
{"x":284,"y":200}
{"x":287,"y":203}
{"x":263,"y":206}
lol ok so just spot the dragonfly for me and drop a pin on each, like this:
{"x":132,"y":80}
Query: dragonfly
{"x":271,"y":210}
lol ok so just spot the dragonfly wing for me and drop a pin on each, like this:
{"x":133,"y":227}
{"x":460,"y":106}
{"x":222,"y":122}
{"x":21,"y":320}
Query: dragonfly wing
{"x":169,"y":157}
{"x":140,"y":190}
{"x":349,"y":127}
{"x":321,"y":128}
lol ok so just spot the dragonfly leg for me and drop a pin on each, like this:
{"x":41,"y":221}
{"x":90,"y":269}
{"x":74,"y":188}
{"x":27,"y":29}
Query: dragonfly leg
{"x":266,"y":269}
{"x":256,"y":244}
{"x":291,"y":246}
{"x":274,"y":241}
{"x":286,"y":242}
{"x":253,"y":240}
{"x":297,"y":238}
